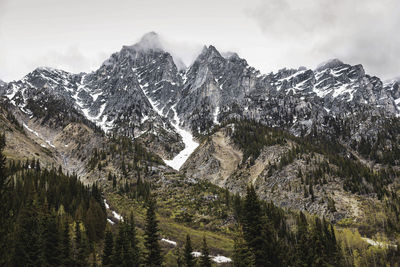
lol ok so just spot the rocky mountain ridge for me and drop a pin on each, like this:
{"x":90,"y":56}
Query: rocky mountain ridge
{"x":142,"y":83}
{"x":145,"y":94}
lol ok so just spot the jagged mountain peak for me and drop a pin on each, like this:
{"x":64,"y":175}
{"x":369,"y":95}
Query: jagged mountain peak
{"x":329,"y":64}
{"x":142,"y":81}
{"x":48,"y":71}
{"x":229,"y":55}
{"x":209,"y":53}
{"x":149,"y":41}
{"x":393,"y":80}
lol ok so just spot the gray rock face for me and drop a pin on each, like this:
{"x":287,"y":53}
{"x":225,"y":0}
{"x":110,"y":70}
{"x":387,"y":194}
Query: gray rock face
{"x":141,"y":88}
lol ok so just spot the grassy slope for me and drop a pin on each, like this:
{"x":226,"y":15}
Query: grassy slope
{"x":171,"y":200}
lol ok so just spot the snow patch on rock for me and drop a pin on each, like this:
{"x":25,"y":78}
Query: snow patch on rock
{"x":187,"y":138}
{"x":169,"y":241}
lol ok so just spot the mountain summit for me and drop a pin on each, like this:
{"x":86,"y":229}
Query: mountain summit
{"x":142,"y":93}
{"x":149,"y":41}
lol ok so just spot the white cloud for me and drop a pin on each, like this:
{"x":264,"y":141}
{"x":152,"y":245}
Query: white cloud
{"x":353,"y":30}
{"x":271,"y":34}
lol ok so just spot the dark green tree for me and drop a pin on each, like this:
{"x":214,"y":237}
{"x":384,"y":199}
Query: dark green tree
{"x":153,"y":250}
{"x":108,"y":249}
{"x":178,"y":255}
{"x":189,"y":258}
{"x":133,"y":242}
{"x":65,"y":250}
{"x":242,"y":254}
{"x":205,"y":260}
{"x":5,"y":218}
{"x":51,"y":239}
{"x":27,"y":249}
{"x":80,"y":255}
{"x":253,"y":230}
{"x":120,"y":241}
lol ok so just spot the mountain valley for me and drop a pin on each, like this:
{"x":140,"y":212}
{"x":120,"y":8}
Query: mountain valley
{"x":316,"y":147}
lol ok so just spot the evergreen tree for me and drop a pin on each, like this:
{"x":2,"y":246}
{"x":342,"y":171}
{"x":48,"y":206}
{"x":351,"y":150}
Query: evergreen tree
{"x":189,"y":258}
{"x":80,"y":255}
{"x":114,"y":181}
{"x":27,"y":250}
{"x":118,"y":254}
{"x":65,"y":250}
{"x":303,"y":245}
{"x":242,"y":254}
{"x":133,"y":244}
{"x":108,"y":249}
{"x":5,"y":218}
{"x":311,"y":191}
{"x":178,"y":255}
{"x":153,"y":250}
{"x":253,"y":231}
{"x":50,"y":238}
{"x":205,"y":260}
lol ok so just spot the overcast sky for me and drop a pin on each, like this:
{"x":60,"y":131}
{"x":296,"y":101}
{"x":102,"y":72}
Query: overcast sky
{"x":78,"y":35}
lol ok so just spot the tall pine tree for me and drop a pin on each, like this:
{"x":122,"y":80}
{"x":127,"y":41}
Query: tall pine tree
{"x":5,"y":218}
{"x":153,"y":250}
{"x":189,"y":259}
{"x":205,"y":260}
{"x":65,"y":245}
{"x":242,"y":254}
{"x":80,"y":255}
{"x":108,"y":249}
{"x":253,"y":227}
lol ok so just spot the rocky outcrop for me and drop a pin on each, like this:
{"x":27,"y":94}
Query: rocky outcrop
{"x":219,"y":160}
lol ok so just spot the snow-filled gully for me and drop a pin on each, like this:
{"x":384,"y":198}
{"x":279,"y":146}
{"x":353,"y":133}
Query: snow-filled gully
{"x":114,"y":213}
{"x":187,"y":138}
{"x":38,"y":135}
{"x":190,"y":145}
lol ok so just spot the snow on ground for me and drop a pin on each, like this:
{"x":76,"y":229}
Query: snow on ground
{"x":145,"y":118}
{"x":37,"y":134}
{"x":190,"y":145}
{"x":50,"y":144}
{"x":99,"y":119}
{"x":152,"y":103}
{"x":343,"y":90}
{"x":376,"y":243}
{"x":111,"y":222}
{"x":196,"y":254}
{"x":117,"y":216}
{"x":32,"y":131}
{"x":96,"y":95}
{"x":114,"y":213}
{"x":11,"y":95}
{"x":168,"y":241}
{"x":221,"y":259}
{"x":106,"y":204}
{"x":216,"y":259}
{"x":187,"y":137}
{"x":216,"y":113}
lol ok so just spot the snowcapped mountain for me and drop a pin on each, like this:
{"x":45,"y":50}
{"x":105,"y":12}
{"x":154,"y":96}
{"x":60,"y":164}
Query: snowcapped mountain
{"x":143,"y":92}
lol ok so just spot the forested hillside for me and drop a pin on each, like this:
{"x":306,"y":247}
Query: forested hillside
{"x":52,"y":219}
